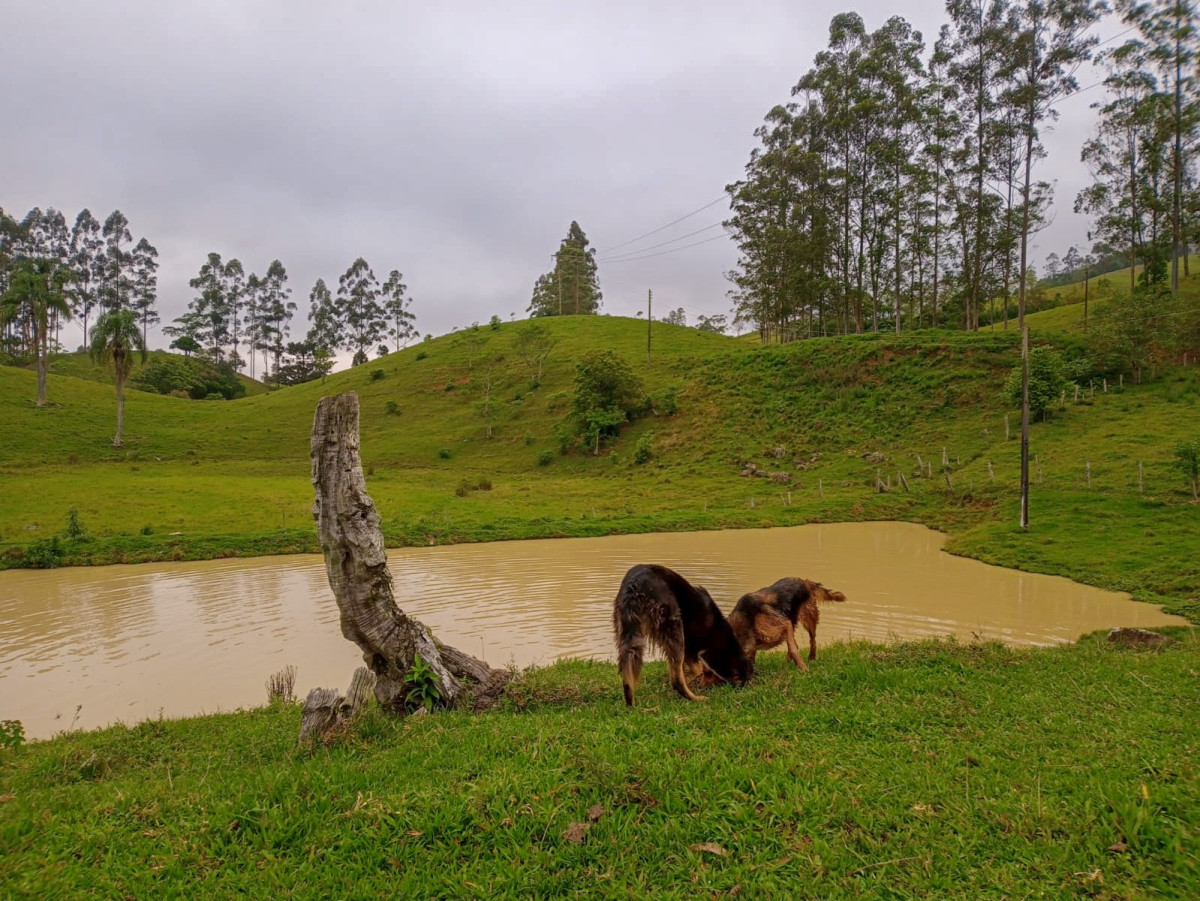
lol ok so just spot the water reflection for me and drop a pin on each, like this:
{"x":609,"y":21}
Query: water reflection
{"x":128,"y":642}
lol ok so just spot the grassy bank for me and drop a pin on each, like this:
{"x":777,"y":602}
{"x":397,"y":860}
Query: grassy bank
{"x":922,"y":770}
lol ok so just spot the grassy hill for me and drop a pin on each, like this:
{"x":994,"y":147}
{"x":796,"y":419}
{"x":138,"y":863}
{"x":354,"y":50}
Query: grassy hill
{"x":80,"y":365}
{"x":827,"y":417}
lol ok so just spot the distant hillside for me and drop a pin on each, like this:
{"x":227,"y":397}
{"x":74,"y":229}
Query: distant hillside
{"x":81,"y":366}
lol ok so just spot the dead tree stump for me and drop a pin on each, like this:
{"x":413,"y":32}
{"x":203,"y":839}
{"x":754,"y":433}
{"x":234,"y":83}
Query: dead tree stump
{"x":356,"y":564}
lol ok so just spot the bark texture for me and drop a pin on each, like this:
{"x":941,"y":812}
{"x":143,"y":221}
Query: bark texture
{"x":356,"y":564}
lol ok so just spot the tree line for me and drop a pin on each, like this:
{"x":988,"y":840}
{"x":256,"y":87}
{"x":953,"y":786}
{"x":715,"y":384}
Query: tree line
{"x":898,"y":189}
{"x":234,"y":313}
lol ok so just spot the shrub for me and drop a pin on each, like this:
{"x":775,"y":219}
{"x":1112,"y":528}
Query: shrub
{"x":495,"y":322}
{"x":376,"y":375}
{"x":1187,"y":461}
{"x":75,"y":530}
{"x":147,"y":529}
{"x":607,"y":391}
{"x":392,"y":408}
{"x":528,"y":440}
{"x":45,"y":553}
{"x":545,"y":458}
{"x":444,"y":453}
{"x":642,"y":452}
{"x":421,"y":355}
{"x":668,"y":404}
{"x":463,"y":489}
{"x":12,"y":734}
{"x":1046,"y":380}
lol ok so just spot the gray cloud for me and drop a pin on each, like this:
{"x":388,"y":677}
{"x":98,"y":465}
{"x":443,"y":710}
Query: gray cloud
{"x":455,"y":142}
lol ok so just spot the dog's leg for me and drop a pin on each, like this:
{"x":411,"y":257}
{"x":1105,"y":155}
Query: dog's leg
{"x":809,"y":616}
{"x":629,"y":662}
{"x":793,"y":650}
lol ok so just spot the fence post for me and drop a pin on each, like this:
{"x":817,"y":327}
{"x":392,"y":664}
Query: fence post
{"x":1006,"y":431}
{"x":991,"y":472}
{"x":1087,"y":468}
{"x":1141,"y":484}
{"x":820,"y":489}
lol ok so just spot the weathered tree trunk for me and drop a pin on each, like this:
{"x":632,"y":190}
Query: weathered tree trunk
{"x":356,"y":563}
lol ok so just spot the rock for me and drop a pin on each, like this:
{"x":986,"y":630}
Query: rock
{"x":783,"y":478}
{"x":875,"y":457}
{"x":576,"y":833}
{"x":1138,"y":638}
{"x":780,"y":453}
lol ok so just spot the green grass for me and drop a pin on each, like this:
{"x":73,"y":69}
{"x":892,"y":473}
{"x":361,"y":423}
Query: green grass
{"x":925,"y":770}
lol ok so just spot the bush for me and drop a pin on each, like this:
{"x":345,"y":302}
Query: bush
{"x":1187,"y":461}
{"x":642,"y":452}
{"x":376,"y":375}
{"x":607,"y":391}
{"x":495,"y":322}
{"x":197,"y":378}
{"x":12,"y":734}
{"x":44,"y":554}
{"x":545,"y":458}
{"x":147,"y":529}
{"x":668,"y":404}
{"x":392,"y":408}
{"x":421,"y":355}
{"x":444,"y":453}
{"x":1046,"y":381}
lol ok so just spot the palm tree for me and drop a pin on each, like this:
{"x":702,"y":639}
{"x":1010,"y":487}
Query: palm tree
{"x":35,"y":291}
{"x":114,"y":338}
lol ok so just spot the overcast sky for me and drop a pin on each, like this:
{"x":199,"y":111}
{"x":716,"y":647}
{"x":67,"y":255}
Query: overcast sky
{"x":453,"y":141}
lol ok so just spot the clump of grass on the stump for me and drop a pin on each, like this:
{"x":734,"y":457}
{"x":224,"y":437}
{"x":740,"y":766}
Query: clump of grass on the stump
{"x":281,"y":686}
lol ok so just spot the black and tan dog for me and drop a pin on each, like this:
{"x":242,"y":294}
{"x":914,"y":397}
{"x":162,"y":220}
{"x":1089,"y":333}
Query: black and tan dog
{"x":658,"y":606}
{"x":766,"y":618}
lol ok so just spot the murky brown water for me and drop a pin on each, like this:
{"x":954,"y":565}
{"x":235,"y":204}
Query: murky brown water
{"x":126,"y":642}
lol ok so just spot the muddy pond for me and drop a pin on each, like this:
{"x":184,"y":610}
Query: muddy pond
{"x":85,"y":647}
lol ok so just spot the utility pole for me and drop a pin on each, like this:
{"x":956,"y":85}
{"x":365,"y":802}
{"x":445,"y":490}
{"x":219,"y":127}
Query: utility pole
{"x":558,"y":280}
{"x":649,"y":303}
{"x":1025,"y":427}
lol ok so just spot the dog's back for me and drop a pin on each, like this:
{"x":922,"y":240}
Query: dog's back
{"x":658,"y":606}
{"x":768,"y":617}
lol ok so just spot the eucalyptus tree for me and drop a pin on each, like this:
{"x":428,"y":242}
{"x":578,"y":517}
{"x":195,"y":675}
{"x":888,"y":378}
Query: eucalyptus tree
{"x":1125,"y":127}
{"x":36,"y":292}
{"x":144,"y":284}
{"x":396,"y":303}
{"x":980,"y":38}
{"x":274,"y":312}
{"x":359,"y":310}
{"x":325,"y":332}
{"x":210,"y":307}
{"x":116,"y":279}
{"x":1052,"y":43}
{"x":114,"y":340}
{"x":232,"y":280}
{"x":87,"y":260}
{"x":1169,"y":34}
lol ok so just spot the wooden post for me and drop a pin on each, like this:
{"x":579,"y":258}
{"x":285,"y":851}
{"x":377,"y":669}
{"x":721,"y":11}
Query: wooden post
{"x":1087,"y":468}
{"x":945,"y":458}
{"x":1141,"y":484}
{"x":649,"y":307}
{"x":1076,"y":393}
{"x":991,"y":472}
{"x":1006,"y":432}
{"x":1106,"y":386}
{"x":820,"y":489}
{"x":751,"y":503}
{"x":1120,"y":380}
{"x":1025,"y":428}
{"x":348,"y":527}
{"x":902,"y":481}
{"x":789,"y":500}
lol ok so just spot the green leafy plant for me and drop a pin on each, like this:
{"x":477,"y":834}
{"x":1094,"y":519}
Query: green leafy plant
{"x":392,"y":408}
{"x":75,"y":530}
{"x":1187,"y":461}
{"x":1046,"y":381}
{"x":423,"y":688}
{"x":444,"y":453}
{"x":12,"y":734}
{"x":644,"y":449}
{"x":545,"y":458}
{"x":377,"y":375}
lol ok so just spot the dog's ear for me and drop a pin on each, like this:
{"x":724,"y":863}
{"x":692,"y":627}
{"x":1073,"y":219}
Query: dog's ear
{"x":708,"y":669}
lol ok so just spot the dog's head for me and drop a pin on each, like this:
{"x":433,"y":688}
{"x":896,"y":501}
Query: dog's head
{"x":734,"y":668}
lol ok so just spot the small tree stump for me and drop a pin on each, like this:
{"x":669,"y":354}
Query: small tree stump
{"x":321,"y":715}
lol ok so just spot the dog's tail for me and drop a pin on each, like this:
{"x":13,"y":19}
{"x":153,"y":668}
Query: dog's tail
{"x":631,"y":646}
{"x":822,"y":594}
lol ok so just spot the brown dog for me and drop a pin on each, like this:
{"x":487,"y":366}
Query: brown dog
{"x":766,"y":618}
{"x":657,"y":606}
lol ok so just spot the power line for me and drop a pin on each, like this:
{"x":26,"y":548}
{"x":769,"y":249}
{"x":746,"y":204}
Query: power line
{"x":665,"y":252}
{"x":662,"y":227}
{"x":665,"y":243}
